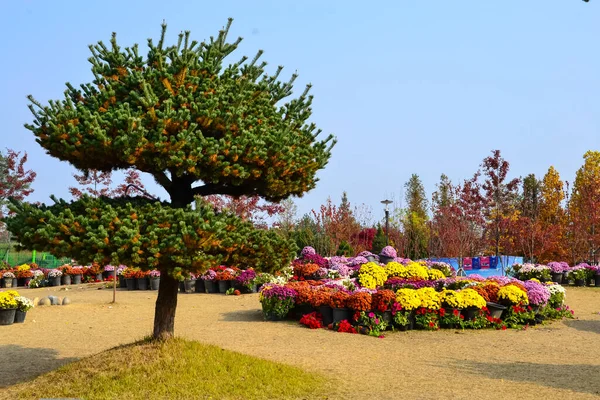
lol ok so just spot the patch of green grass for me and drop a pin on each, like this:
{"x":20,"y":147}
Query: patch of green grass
{"x":176,"y":369}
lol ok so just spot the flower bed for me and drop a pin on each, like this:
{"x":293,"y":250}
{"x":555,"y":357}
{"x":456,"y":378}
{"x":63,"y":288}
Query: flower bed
{"x":407,"y":294}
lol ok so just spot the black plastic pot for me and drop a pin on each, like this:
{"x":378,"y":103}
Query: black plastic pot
{"x":371,"y":258}
{"x":495,"y":309}
{"x":470,"y":313}
{"x":327,"y":313}
{"x":211,"y":286}
{"x":106,"y":274}
{"x":579,"y":282}
{"x":154,"y":283}
{"x":200,"y":287}
{"x":597,"y":280}
{"x":188,"y":285}
{"x":131,"y":283}
{"x":142,"y":283}
{"x":99,"y":277}
{"x":55,"y":281}
{"x":223,"y":286}
{"x":122,"y":281}
{"x":301,"y":310}
{"x":181,"y":287}
{"x":340,"y":314}
{"x":565,"y":278}
{"x":76,"y":280}
{"x":24,"y":282}
{"x":66,"y":279}
{"x":384,"y":260}
{"x":7,"y":317}
{"x":557,"y":277}
{"x":388,"y":318}
{"x":20,"y":316}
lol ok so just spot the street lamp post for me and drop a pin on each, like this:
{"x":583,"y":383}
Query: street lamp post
{"x":387,"y":221}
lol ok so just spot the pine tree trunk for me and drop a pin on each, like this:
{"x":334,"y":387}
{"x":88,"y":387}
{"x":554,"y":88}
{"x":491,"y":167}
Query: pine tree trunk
{"x":166,"y":303}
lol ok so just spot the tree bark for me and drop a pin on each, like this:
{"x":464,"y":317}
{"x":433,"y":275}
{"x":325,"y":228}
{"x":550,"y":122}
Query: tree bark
{"x":166,"y":303}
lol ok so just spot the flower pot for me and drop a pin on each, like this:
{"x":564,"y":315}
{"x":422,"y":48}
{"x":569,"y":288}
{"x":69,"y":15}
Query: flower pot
{"x":211,"y":286}
{"x":7,"y":316}
{"x":76,"y":279}
{"x":188,"y":285}
{"x":154,"y":283}
{"x":340,"y":314}
{"x":470,"y":313}
{"x":66,"y":279}
{"x":107,"y":274}
{"x":327,"y":313}
{"x":20,"y":316}
{"x":98,"y":277}
{"x":588,"y":282}
{"x":566,"y":278}
{"x":122,"y":281}
{"x":388,"y":318}
{"x":55,"y":281}
{"x":300,"y":310}
{"x":223,"y":286}
{"x":7,"y":282}
{"x":557,"y":277}
{"x":131,"y":283}
{"x":273,"y":317}
{"x":495,"y":309}
{"x":384,"y":260}
{"x":24,"y":282}
{"x":15,"y":282}
{"x":371,"y":258}
{"x":597,"y":280}
{"x":181,"y":287}
{"x":579,"y":282}
{"x":142,"y":283}
{"x":200,"y":286}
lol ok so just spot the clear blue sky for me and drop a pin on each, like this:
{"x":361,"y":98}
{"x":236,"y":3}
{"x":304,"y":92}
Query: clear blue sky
{"x":424,"y":87}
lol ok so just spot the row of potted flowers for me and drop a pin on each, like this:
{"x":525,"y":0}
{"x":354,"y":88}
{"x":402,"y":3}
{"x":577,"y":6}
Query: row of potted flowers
{"x":13,"y":307}
{"x":581,"y":274}
{"x":498,"y":302}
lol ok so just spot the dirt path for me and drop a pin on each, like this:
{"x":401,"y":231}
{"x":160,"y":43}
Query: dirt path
{"x":554,"y":361}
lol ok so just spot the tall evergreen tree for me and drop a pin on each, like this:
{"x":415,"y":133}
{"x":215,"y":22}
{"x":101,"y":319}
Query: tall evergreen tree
{"x":415,"y":219}
{"x":378,"y":241}
{"x":184,"y":117}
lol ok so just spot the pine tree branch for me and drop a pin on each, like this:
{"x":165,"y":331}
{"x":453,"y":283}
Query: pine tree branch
{"x":162,"y":179}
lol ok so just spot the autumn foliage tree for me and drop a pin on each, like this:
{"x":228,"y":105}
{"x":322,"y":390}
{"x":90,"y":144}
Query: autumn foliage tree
{"x":15,"y":181}
{"x":99,"y":184}
{"x":199,"y":128}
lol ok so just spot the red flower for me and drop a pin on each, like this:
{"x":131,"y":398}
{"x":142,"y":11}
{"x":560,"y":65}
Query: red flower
{"x":237,"y":292}
{"x":503,"y":327}
{"x":442,"y":312}
{"x":431,"y":324}
{"x":455,"y":312}
{"x":462,"y":317}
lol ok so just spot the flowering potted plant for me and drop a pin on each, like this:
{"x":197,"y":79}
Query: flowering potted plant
{"x":7,"y":279}
{"x":154,"y":279}
{"x":245,"y":280}
{"x":109,"y":270}
{"x":388,"y":253}
{"x":122,"y":282}
{"x":471,"y":302}
{"x":276,"y":301}
{"x":359,"y":301}
{"x":142,"y":279}
{"x":23,"y":275}
{"x":54,"y":276}
{"x":538,"y":294}
{"x":556,"y":270}
{"x":338,"y":302}
{"x":224,"y":279}
{"x":209,"y":281}
{"x":427,"y":319}
{"x":320,"y":301}
{"x":367,"y":255}
{"x":130,"y":275}
{"x":23,"y":305}
{"x":95,"y":272}
{"x":579,"y":274}
{"x":8,"y":307}
{"x":65,"y":279}
{"x":76,"y":274}
{"x":189,"y":283}
{"x":371,"y":323}
{"x":451,"y":301}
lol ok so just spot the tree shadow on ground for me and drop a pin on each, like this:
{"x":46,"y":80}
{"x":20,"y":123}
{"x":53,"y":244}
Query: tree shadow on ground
{"x":576,"y":377}
{"x":584,"y":325}
{"x":243,"y":316}
{"x":21,"y":364}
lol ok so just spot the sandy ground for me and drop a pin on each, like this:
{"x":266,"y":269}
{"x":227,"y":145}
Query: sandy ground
{"x":559,"y":360}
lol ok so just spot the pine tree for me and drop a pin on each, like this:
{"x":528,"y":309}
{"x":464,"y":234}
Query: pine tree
{"x":184,"y":117}
{"x":415,"y":219}
{"x":379,"y":241}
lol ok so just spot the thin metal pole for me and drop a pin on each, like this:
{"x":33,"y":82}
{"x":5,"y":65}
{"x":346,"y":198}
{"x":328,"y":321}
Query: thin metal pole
{"x":387,"y":227}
